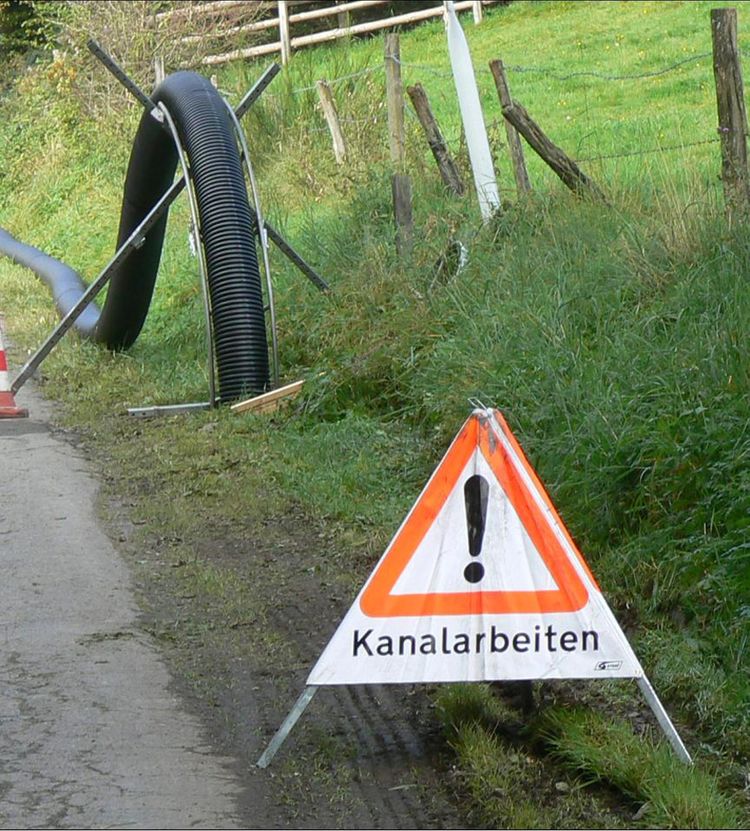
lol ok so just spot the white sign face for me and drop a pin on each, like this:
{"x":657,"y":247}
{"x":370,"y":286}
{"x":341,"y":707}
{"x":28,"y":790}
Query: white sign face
{"x":482,"y":582}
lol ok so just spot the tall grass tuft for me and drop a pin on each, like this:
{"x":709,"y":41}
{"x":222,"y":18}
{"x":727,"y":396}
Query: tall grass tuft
{"x":676,"y":795}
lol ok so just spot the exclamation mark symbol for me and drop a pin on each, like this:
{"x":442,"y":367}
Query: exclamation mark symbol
{"x":476,"y":490}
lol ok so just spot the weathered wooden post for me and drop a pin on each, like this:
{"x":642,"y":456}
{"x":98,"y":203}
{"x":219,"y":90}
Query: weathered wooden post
{"x":730,"y":102}
{"x":400,"y":182}
{"x":332,"y":119}
{"x":344,"y":19}
{"x":159,"y":73}
{"x":446,"y":165}
{"x":554,"y":156}
{"x":514,"y":140}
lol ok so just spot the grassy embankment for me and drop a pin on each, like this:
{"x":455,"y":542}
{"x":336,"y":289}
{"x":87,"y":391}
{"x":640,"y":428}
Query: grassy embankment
{"x":613,"y":338}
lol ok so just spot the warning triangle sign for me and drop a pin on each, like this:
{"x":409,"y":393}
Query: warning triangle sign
{"x":475,"y":543}
{"x":481,"y":582}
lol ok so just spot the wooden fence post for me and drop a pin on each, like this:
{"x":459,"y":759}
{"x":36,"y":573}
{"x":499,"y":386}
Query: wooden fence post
{"x":555,"y":157}
{"x":400,"y":184}
{"x":730,"y":102}
{"x":446,"y":165}
{"x":395,"y":98}
{"x":344,"y":19}
{"x":159,"y":73}
{"x":284,"y":36}
{"x":514,"y":141}
{"x":332,"y":119}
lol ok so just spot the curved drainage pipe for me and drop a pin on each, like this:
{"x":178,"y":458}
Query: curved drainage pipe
{"x":228,"y":234}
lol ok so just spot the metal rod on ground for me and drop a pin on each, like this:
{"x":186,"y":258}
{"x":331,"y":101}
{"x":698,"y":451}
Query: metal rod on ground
{"x":133,"y":241}
{"x":286,"y":728}
{"x":199,"y":250}
{"x":169,"y":409}
{"x":664,"y":721}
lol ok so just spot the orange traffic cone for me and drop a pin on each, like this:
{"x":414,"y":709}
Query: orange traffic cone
{"x":8,"y":408}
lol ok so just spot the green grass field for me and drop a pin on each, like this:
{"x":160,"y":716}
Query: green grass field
{"x":614,"y":339}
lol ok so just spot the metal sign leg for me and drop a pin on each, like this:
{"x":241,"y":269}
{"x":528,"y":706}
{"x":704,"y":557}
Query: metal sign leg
{"x":286,"y":728}
{"x":664,"y":721}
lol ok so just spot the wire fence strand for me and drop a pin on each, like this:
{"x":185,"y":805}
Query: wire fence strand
{"x":591,"y":74}
{"x":659,"y":149}
{"x":540,"y":70}
{"x":549,"y":72}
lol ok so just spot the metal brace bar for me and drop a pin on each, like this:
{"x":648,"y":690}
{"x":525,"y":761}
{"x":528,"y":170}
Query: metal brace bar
{"x":292,"y":255}
{"x":256,"y":90}
{"x":133,"y":241}
{"x":122,"y":76}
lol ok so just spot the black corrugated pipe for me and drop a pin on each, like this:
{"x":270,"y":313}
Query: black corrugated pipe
{"x":228,"y":226}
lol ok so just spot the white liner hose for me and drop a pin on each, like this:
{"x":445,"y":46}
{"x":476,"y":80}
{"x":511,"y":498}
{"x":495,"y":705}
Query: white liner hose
{"x":471,"y":115}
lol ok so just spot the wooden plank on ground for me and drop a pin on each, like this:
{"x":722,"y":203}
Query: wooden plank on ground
{"x":268,"y":402}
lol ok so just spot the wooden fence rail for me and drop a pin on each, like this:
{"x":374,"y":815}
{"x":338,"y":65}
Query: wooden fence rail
{"x":284,"y":20}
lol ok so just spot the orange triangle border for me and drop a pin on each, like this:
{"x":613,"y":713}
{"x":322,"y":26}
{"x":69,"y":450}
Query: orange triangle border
{"x":571,"y":594}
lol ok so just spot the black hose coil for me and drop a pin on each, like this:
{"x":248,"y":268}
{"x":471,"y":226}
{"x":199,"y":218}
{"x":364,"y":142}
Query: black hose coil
{"x":228,"y":233}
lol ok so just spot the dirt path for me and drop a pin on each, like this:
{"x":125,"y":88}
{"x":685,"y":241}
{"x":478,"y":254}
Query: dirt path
{"x":124,"y":701}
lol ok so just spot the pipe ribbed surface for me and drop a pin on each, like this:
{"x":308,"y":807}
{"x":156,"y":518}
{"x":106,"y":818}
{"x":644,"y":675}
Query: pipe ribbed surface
{"x":228,"y":228}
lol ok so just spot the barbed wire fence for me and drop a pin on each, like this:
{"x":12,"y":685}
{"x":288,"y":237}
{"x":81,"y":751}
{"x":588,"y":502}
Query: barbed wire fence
{"x":454,"y":138}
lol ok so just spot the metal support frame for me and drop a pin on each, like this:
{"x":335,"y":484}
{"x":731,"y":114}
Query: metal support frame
{"x":121,"y":75}
{"x":136,"y":238}
{"x":306,"y":697}
{"x":262,"y":236}
{"x":200,"y":250}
